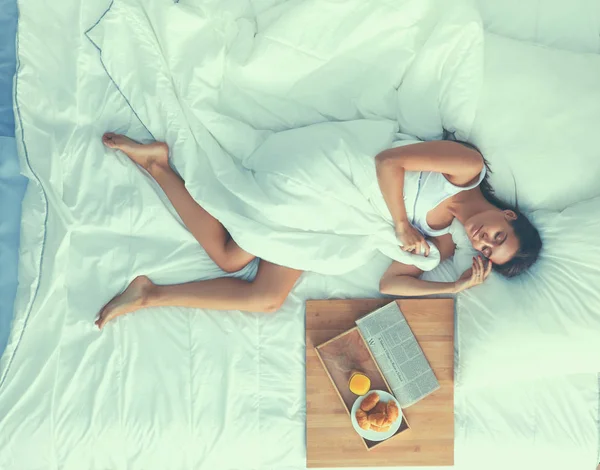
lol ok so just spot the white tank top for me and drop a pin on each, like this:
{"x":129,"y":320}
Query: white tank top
{"x":423,"y":191}
{"x":432,"y":190}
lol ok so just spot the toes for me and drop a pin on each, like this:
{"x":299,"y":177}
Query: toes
{"x":98,"y":321}
{"x":108,"y":140}
{"x":101,"y":320}
{"x":105,"y":316}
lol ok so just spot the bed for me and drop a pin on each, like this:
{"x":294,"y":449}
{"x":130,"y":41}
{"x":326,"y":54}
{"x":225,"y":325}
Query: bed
{"x":175,"y":388}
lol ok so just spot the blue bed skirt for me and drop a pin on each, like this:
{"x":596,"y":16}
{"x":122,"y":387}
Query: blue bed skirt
{"x":12,"y":184}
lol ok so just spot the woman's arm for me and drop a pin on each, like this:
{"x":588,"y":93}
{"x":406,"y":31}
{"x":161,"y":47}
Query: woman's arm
{"x":458,"y":163}
{"x":390,"y":177}
{"x":391,"y":183}
{"x":403,"y":279}
{"x":408,"y":286}
{"x":400,"y":280}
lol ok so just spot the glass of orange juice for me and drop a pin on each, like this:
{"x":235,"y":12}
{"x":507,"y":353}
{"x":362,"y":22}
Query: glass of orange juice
{"x":359,"y":383}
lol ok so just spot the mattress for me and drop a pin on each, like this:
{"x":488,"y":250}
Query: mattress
{"x":176,"y":388}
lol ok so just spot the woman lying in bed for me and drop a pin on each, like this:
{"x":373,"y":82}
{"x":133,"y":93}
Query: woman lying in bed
{"x":441,"y":181}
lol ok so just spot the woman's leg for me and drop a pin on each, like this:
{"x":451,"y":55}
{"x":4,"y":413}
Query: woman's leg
{"x":209,"y":232}
{"x":266,"y":293}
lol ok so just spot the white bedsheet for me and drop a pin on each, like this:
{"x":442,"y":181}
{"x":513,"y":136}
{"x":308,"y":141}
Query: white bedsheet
{"x":174,"y":388}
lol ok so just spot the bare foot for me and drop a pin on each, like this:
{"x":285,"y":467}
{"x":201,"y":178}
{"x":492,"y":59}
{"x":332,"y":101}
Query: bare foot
{"x":133,"y":298}
{"x":145,"y":155}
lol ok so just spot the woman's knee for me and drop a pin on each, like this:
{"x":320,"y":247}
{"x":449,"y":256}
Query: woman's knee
{"x":231,"y":258}
{"x":272,"y":302}
{"x":271,"y":287}
{"x":267,"y":301}
{"x":228,"y":265}
{"x":231,"y":264}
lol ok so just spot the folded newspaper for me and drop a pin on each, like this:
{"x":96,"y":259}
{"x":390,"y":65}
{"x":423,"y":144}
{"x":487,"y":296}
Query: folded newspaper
{"x":398,"y":354}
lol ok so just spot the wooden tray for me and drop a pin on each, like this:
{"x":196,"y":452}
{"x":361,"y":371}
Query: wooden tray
{"x":331,"y":441}
{"x":343,"y":354}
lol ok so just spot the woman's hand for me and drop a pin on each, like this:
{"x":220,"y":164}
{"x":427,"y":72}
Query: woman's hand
{"x":474,"y":276}
{"x":411,"y":239}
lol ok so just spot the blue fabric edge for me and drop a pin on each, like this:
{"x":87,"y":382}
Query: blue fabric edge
{"x":37,"y":179}
{"x":14,"y":189}
{"x":17,"y":182}
{"x":21,"y":137}
{"x":8,"y":23}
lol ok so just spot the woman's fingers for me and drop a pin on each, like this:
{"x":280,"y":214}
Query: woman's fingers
{"x":488,"y":269}
{"x":483,"y":270}
{"x":421,"y":246}
{"x":415,"y":244}
{"x":477,"y":271}
{"x":411,"y":240}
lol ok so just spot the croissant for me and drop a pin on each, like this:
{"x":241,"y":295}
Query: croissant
{"x":362,"y":419}
{"x":385,"y":428}
{"x":380,"y":407}
{"x":377,"y":419}
{"x":392,"y":411}
{"x":369,"y":402}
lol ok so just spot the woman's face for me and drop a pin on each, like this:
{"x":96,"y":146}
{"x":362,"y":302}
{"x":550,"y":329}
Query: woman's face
{"x":491,"y":233}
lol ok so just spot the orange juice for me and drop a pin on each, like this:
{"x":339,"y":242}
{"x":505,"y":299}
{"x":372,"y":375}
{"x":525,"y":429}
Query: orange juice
{"x":359,"y":383}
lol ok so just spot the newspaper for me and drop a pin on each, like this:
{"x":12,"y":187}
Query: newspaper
{"x":398,"y":354}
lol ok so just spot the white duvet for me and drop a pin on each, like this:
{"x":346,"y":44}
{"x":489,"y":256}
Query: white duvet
{"x":302,"y":198}
{"x":182,"y":389}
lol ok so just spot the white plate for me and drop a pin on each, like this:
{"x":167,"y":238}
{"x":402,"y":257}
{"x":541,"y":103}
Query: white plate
{"x":374,"y":435}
